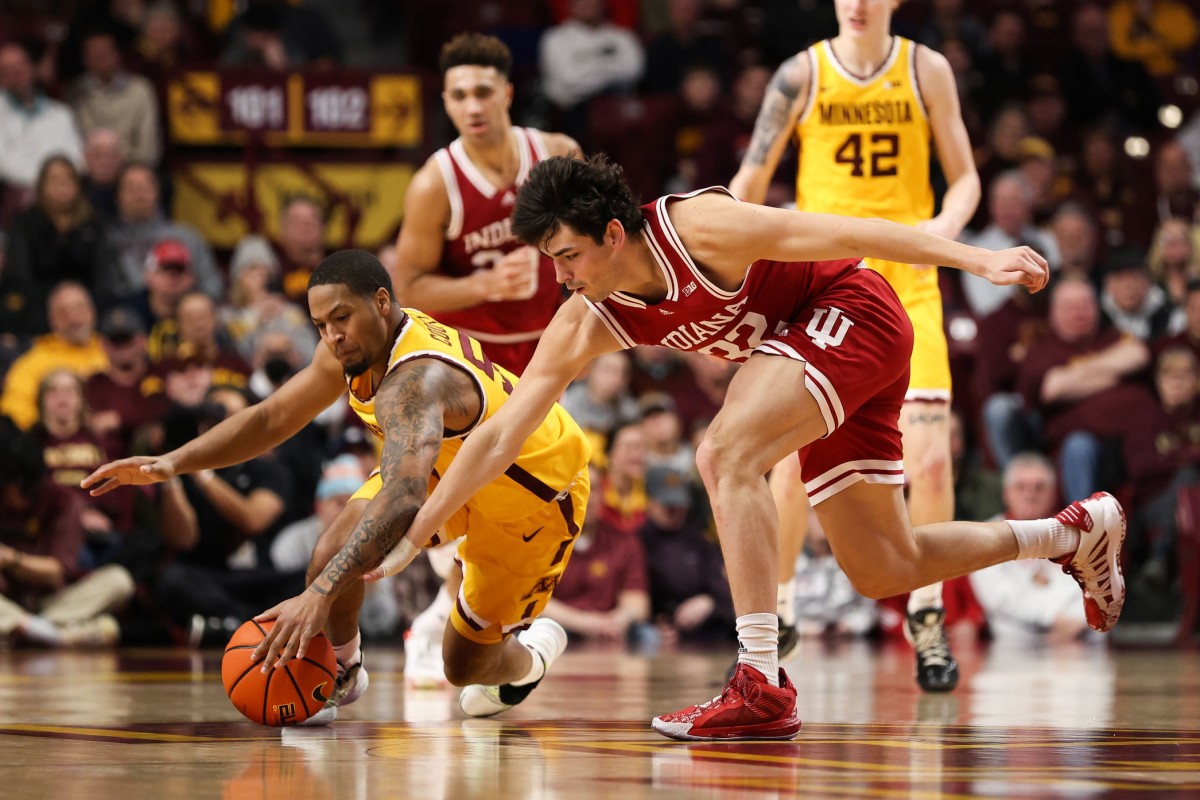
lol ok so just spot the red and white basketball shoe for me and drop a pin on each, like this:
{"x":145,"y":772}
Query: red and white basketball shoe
{"x":748,"y":708}
{"x":1096,"y":565}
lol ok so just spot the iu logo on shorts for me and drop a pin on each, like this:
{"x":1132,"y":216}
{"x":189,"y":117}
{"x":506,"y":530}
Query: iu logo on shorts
{"x":828,"y":327}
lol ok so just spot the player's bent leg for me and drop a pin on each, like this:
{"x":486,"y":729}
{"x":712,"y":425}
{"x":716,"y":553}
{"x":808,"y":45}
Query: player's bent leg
{"x":925,"y":427}
{"x":342,"y":625}
{"x":498,"y":676}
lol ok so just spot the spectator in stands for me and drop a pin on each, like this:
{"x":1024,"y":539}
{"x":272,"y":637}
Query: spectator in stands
{"x":102,"y":157}
{"x":622,"y":488}
{"x":108,"y":96}
{"x":1010,"y":207}
{"x":710,"y":383}
{"x":976,"y":488}
{"x":701,"y":106}
{"x":1156,"y":33}
{"x":1173,"y":193}
{"x":1083,"y":382}
{"x":826,"y":602}
{"x":161,"y":44}
{"x":604,"y":593}
{"x":1162,"y":456}
{"x":1004,"y":341}
{"x":686,"y":43}
{"x":195,"y":334}
{"x":947,"y":21}
{"x":600,"y":401}
{"x":223,"y":577}
{"x":58,"y":238}
{"x":1037,"y":166}
{"x":124,"y":399}
{"x":167,"y":278}
{"x":1004,"y":65}
{"x":586,"y":56}
{"x":1029,"y":601}
{"x":292,"y":549}
{"x":44,"y":599}
{"x":1189,"y":337}
{"x":665,"y":443}
{"x":660,"y":369}
{"x":727,"y":137}
{"x":279,"y":36}
{"x":689,"y":593}
{"x":71,"y":343}
{"x":33,"y":127}
{"x":1132,"y":303}
{"x":140,"y":226}
{"x":1100,"y":86}
{"x":1172,"y":260}
{"x":301,"y":245}
{"x":1002,"y":152}
{"x":1074,"y":232}
{"x":1047,"y":112}
{"x":254,"y":301}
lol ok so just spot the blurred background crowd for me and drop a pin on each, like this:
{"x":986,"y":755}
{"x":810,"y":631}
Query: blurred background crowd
{"x":142,"y":299}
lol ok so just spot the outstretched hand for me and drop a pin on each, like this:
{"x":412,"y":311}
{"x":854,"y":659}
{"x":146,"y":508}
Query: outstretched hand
{"x":297,"y":621}
{"x":1017,"y":265}
{"x":136,"y":471}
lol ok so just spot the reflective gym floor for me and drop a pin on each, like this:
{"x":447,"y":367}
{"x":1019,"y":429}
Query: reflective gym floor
{"x":1073,"y":722}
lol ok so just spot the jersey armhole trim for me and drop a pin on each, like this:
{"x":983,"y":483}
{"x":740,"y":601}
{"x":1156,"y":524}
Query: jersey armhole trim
{"x":624,"y":339}
{"x":814,"y":74}
{"x":443,"y":357}
{"x":913,"y":47}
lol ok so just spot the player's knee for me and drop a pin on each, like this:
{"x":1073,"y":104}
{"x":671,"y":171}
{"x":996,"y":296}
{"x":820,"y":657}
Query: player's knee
{"x":876,"y":582}
{"x":718,"y":456}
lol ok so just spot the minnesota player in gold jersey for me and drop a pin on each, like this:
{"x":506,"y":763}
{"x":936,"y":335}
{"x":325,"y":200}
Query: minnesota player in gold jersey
{"x":865,"y":107}
{"x":421,"y":387}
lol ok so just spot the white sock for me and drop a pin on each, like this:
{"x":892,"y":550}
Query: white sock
{"x":536,"y":670}
{"x":348,"y":653}
{"x":785,"y":603}
{"x":758,"y":637}
{"x":1044,"y":538}
{"x":926,"y":597}
{"x":431,"y":623}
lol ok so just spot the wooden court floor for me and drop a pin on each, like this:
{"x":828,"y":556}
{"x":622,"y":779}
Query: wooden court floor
{"x":1075,"y":722}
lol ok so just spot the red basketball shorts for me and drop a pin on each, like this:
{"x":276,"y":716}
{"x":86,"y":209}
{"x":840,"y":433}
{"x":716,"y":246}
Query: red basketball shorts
{"x":856,"y":342}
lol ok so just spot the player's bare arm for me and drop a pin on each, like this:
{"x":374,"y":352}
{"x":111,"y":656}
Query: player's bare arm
{"x":782,"y":104}
{"x":248,"y":433}
{"x":574,"y":337}
{"x":559,"y":144}
{"x":420,"y":245}
{"x":953,"y":144}
{"x":414,"y":405}
{"x":724,"y":236}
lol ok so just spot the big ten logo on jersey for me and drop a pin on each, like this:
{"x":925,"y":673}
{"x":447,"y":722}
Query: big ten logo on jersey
{"x":472,"y":352}
{"x":828,"y":327}
{"x":728,"y":334}
{"x":284,"y":712}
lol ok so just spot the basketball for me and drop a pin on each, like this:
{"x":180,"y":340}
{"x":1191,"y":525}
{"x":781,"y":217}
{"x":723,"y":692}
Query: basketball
{"x":279,"y":697}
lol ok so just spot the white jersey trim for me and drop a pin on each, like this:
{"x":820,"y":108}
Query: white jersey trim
{"x":928,"y":395}
{"x":818,"y":385}
{"x":466,"y":608}
{"x":485,"y":187}
{"x":624,"y":339}
{"x":673,"y":239}
{"x":445,"y":163}
{"x":524,"y":155}
{"x":881,"y":70}
{"x":663,"y":264}
{"x":849,"y":473}
{"x":912,"y":76}
{"x":813,"y":85}
{"x":538,"y":140}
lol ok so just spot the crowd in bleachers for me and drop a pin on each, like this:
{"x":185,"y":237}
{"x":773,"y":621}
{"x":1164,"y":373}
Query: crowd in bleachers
{"x":122,"y":331}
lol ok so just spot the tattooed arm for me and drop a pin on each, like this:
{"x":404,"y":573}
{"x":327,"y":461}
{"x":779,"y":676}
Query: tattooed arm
{"x":413,"y":406}
{"x":784,"y":100}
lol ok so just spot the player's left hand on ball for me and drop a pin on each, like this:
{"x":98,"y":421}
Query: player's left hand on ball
{"x":297,"y":621}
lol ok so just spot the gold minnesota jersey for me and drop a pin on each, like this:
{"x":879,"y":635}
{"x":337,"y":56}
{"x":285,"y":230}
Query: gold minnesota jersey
{"x":865,"y":142}
{"x":550,"y":460}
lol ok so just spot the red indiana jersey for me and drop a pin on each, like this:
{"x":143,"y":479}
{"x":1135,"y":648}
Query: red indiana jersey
{"x":479,"y":234}
{"x":698,"y":315}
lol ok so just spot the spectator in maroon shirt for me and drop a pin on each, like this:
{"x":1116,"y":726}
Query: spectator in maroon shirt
{"x":44,"y":599}
{"x":1083,"y":382}
{"x":196,"y":334}
{"x":1189,"y":337}
{"x":1074,"y":231}
{"x":603,"y":594}
{"x":125,"y":398}
{"x":1004,"y":340}
{"x":1162,"y":455}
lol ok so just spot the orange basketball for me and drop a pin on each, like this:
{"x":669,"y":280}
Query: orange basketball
{"x":279,"y":697}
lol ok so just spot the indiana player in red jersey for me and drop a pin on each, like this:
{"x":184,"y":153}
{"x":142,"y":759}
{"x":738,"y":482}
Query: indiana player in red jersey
{"x":456,"y":257}
{"x":825,"y":346}
{"x":457,"y":260}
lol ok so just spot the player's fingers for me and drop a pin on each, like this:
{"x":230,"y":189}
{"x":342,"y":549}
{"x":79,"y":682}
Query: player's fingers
{"x":269,"y":614}
{"x":264,"y":647}
{"x":289,"y":649}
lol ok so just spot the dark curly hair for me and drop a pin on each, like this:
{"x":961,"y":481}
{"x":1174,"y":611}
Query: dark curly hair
{"x":582,"y":194}
{"x":476,"y":50}
{"x":361,"y":272}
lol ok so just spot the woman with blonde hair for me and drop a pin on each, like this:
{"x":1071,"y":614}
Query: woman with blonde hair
{"x":1173,"y":257}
